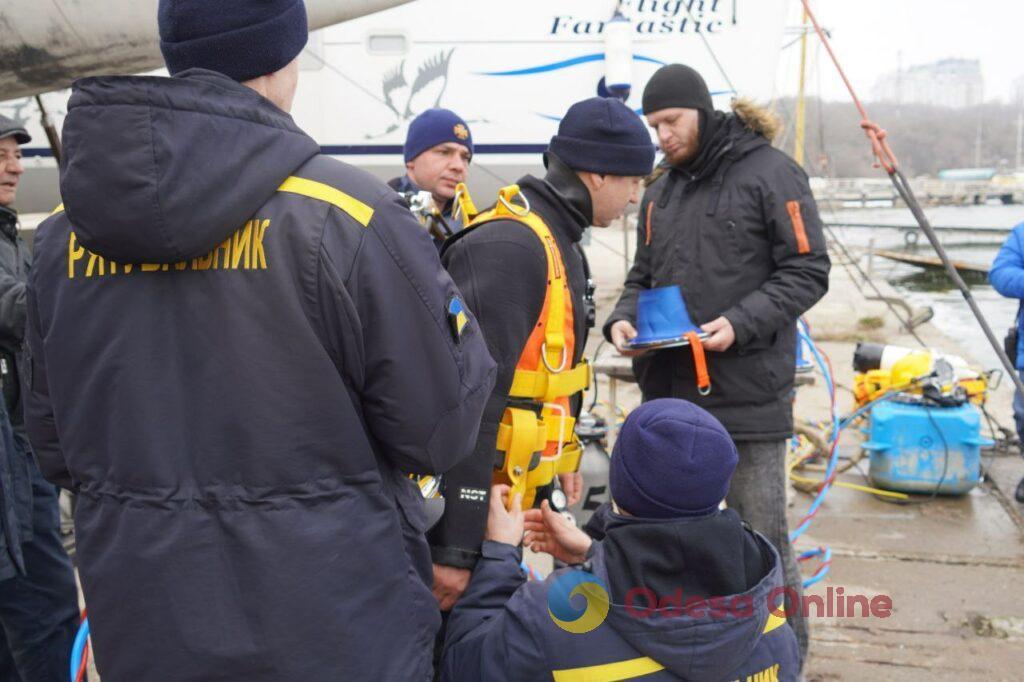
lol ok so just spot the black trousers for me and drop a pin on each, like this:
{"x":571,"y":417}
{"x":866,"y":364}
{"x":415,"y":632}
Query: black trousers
{"x":39,"y":610}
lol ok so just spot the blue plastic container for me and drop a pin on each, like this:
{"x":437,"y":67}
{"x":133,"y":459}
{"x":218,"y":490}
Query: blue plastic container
{"x":908,"y":453}
{"x":661,"y":314}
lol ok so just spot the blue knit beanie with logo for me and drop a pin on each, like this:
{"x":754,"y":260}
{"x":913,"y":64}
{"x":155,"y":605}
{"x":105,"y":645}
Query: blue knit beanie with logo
{"x":242,"y":39}
{"x":434,"y":127}
{"x":603,"y":135}
{"x":671,"y":459}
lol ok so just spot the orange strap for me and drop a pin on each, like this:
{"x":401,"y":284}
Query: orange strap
{"x":650,"y":207}
{"x":700,"y":363}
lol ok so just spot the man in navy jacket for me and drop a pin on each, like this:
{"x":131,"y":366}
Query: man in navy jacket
{"x":676,"y":590}
{"x":241,"y":348}
{"x":38,"y":594}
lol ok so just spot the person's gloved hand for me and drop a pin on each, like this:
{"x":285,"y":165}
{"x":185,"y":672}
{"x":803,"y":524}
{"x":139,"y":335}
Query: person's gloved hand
{"x":552,"y":533}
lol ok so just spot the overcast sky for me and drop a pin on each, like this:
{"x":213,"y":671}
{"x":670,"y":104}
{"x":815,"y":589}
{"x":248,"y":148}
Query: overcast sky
{"x":868,"y":36}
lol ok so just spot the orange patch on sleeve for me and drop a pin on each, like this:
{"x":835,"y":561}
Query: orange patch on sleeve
{"x":650,"y":207}
{"x":797,"y":219}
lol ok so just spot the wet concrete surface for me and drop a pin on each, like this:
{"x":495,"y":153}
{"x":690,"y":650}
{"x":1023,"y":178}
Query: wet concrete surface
{"x":953,"y":567}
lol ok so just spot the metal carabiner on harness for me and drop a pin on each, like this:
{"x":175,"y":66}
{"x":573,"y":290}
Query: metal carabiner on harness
{"x":544,"y":358}
{"x":520,"y":211}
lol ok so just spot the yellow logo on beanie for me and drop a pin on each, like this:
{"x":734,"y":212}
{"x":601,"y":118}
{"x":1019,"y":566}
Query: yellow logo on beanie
{"x":461,"y":131}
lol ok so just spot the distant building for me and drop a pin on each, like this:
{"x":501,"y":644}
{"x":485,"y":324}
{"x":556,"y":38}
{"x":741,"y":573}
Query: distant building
{"x":1018,"y":91}
{"x":948,"y":83}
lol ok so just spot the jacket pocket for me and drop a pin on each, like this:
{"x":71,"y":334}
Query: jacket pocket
{"x":410,"y":503}
{"x":732,"y":238}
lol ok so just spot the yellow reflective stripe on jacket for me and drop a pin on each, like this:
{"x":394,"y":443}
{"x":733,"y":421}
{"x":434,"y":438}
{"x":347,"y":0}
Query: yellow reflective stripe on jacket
{"x":634,"y":667}
{"x":60,"y":207}
{"x":544,"y":386}
{"x":609,"y":672}
{"x":318,"y":190}
{"x":774,"y":622}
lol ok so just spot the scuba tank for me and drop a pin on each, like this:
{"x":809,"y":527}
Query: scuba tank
{"x":595,"y":465}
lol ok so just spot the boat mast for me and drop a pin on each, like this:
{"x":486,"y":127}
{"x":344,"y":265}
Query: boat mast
{"x":1020,"y":137}
{"x":801,"y":103}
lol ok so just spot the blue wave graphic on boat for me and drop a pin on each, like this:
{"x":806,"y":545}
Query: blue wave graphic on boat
{"x":565,"y":64}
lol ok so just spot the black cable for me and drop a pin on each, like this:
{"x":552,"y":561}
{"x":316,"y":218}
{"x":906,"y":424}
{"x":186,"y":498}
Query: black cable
{"x":905,"y":322}
{"x":710,"y":50}
{"x":931,"y":497}
{"x":344,"y":75}
{"x":494,"y":175}
{"x":611,"y":248}
{"x":849,"y":273}
{"x":906,"y":192}
{"x":945,"y":449}
{"x":1003,"y":442}
{"x":597,"y":353}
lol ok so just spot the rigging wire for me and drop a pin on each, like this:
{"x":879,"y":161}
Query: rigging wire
{"x":887,"y":159}
{"x":711,"y":51}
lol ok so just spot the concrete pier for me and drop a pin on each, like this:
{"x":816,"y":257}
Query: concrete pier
{"x":951,"y":566}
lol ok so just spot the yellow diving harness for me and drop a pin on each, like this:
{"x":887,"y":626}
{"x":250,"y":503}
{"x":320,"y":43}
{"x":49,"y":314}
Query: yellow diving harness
{"x":537,"y":431}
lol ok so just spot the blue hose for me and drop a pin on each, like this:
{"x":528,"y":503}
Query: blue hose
{"x":837,"y":426}
{"x":78,"y":649}
{"x":531,"y":574}
{"x":826,"y":564}
{"x":833,"y":444}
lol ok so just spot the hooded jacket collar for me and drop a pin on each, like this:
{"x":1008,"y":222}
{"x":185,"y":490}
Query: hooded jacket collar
{"x":161,"y":170}
{"x":568,"y":185}
{"x":727,"y":137}
{"x":718,"y":557}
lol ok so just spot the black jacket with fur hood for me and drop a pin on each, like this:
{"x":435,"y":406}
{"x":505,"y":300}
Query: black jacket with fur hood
{"x":738,"y":230}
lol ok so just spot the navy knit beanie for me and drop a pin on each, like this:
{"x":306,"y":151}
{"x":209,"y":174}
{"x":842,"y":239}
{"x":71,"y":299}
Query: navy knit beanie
{"x":434,"y":127}
{"x":242,"y":39}
{"x":602,"y":135}
{"x":671,"y":459}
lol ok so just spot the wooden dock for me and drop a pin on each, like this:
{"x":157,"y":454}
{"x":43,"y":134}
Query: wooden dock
{"x":930,"y":262}
{"x":929,"y":191}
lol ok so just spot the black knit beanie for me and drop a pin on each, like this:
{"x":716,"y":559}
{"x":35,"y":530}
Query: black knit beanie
{"x":677,"y":85}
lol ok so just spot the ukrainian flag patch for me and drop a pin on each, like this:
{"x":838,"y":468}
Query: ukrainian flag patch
{"x":457,"y":318}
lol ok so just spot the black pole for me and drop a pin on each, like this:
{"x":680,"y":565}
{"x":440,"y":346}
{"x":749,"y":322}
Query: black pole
{"x":51,"y":132}
{"x":907,"y":194}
